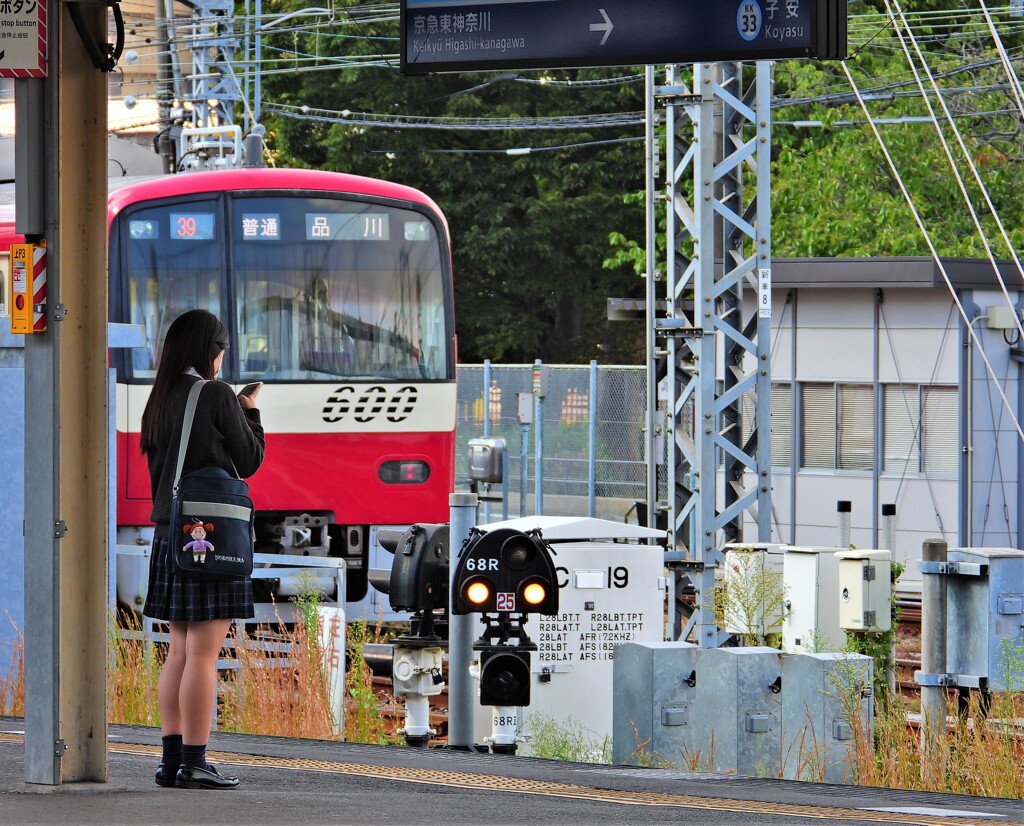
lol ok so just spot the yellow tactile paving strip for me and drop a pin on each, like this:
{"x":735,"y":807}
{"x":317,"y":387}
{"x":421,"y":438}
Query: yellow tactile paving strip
{"x":485,"y":782}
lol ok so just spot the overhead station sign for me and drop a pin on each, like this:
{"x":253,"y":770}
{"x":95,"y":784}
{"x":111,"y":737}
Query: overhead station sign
{"x":471,"y":35}
{"x":22,"y":38}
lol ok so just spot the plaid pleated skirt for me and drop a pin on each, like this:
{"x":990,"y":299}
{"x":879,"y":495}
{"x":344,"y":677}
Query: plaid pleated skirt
{"x":172,"y":597}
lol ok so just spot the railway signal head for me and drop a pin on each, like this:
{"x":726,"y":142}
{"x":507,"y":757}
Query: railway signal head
{"x":504,"y":676}
{"x":505,"y":571}
{"x":419,"y":574}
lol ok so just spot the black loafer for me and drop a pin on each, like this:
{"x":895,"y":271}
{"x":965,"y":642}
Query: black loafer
{"x":193,"y":777}
{"x":165,"y":776}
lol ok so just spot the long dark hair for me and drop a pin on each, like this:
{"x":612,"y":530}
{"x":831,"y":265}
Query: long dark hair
{"x":194,"y":339}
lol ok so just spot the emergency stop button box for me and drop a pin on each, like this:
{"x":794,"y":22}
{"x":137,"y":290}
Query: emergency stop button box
{"x":865,"y":590}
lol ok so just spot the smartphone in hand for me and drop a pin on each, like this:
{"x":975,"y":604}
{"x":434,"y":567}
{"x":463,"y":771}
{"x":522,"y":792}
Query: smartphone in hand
{"x":249,"y":389}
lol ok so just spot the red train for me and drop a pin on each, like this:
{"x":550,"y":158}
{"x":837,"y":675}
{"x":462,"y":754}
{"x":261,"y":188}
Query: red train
{"x":337,"y":292}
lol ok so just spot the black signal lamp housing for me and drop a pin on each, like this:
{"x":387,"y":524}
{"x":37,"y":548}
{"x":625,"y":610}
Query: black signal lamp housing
{"x":505,"y":571}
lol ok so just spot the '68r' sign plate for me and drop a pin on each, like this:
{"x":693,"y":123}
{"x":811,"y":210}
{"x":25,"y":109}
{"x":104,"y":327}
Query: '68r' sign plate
{"x":23,"y":38}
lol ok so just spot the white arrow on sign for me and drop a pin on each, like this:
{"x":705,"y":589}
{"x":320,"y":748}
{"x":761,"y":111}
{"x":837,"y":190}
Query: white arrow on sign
{"x":605,"y":27}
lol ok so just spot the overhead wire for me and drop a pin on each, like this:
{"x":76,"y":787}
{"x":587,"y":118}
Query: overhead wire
{"x":955,"y":168}
{"x":1004,"y":58}
{"x":861,"y":27}
{"x":594,"y":121}
{"x":928,"y":240}
{"x":915,"y":418}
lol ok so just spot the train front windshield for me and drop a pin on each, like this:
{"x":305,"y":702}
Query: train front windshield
{"x":313,"y":288}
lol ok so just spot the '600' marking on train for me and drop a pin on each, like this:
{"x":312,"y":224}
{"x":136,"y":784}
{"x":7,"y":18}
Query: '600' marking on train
{"x":367,"y":404}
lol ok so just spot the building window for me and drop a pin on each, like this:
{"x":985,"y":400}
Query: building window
{"x":818,"y":449}
{"x":855,"y":427}
{"x":782,"y":424}
{"x":921,"y":429}
{"x":901,"y":453}
{"x":838,"y":426}
{"x":940,"y":437}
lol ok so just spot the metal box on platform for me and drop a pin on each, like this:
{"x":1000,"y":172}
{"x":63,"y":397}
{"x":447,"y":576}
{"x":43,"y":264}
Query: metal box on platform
{"x":739,"y":694}
{"x":985,"y":617}
{"x":865,"y":590}
{"x":810,"y":619}
{"x":753,"y":578}
{"x":654,"y":705}
{"x":611,"y":592}
{"x":822,"y":693}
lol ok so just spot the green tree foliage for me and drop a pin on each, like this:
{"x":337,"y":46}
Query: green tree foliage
{"x":541,"y":240}
{"x":833,"y":192}
{"x":529,"y":231}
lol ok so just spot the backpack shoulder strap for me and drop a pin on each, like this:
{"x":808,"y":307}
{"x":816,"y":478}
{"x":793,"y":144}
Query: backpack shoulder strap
{"x":186,"y":428}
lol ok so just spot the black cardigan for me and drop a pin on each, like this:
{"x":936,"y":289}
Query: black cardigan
{"x":222,"y":434}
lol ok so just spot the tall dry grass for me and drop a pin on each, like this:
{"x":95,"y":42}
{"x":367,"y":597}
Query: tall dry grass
{"x":12,"y":684}
{"x":364,"y":721}
{"x":134,"y":671}
{"x":279,"y":687}
{"x":983,"y":753}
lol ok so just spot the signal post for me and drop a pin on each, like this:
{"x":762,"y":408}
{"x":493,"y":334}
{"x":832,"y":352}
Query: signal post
{"x":61,"y":149}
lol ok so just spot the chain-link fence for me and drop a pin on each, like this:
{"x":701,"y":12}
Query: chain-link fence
{"x":591,"y":442}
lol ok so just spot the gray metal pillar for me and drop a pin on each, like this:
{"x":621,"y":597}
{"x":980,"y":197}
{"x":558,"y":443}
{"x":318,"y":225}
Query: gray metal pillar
{"x":460,"y":629}
{"x":933,"y":661}
{"x":707,"y":304}
{"x":486,"y":518}
{"x":42,"y":600}
{"x":794,"y":414}
{"x":844,"y":513}
{"x":654,"y":433}
{"x":889,"y":529}
{"x":66,"y":426}
{"x":877,"y":414}
{"x":889,"y":543}
{"x":538,"y":438}
{"x":524,"y":441}
{"x":592,"y":445}
{"x":965,"y":401}
{"x":1019,"y":488}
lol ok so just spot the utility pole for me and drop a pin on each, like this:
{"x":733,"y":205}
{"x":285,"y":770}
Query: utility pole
{"x":61,"y":151}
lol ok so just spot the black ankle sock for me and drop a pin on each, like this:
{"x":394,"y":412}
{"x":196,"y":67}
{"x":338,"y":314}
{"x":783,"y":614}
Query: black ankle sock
{"x":172,"y":751}
{"x":194,"y":756}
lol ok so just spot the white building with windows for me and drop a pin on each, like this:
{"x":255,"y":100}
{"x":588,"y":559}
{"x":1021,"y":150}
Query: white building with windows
{"x":880,"y":395}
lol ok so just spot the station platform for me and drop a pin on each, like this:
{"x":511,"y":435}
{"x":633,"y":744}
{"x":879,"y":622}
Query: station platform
{"x":286,"y":781}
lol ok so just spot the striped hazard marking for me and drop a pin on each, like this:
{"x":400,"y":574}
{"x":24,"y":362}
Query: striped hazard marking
{"x":39,"y":289}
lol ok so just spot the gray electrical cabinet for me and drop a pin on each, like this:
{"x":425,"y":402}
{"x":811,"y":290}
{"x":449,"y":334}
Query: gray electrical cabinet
{"x":739,"y":695}
{"x":752,"y":575}
{"x":822,"y":693}
{"x":654,"y":707}
{"x":810,"y":619}
{"x":985,"y":617}
{"x":611,"y":591}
